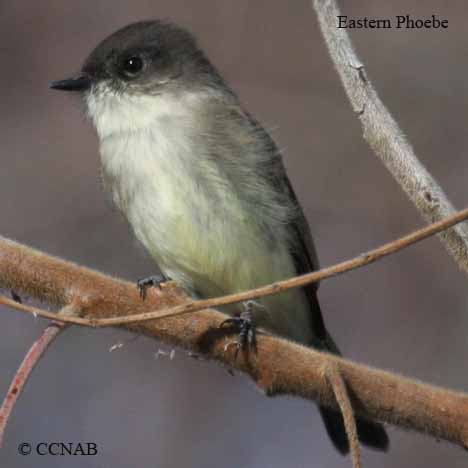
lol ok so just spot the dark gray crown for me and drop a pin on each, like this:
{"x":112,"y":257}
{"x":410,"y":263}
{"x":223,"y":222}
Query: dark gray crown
{"x":168,"y":52}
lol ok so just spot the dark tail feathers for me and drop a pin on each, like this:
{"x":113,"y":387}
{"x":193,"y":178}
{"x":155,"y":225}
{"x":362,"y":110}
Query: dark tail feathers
{"x":370,"y":433}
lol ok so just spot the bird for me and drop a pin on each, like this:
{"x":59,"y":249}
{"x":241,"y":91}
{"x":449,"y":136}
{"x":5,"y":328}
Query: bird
{"x":203,"y":186}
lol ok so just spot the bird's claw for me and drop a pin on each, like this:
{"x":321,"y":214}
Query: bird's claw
{"x":247,"y":332}
{"x":16,"y":297}
{"x":151,"y":281}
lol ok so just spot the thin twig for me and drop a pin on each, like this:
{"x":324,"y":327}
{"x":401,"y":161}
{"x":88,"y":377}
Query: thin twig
{"x":333,"y":375}
{"x":28,"y":364}
{"x":274,"y":288}
{"x":385,"y":137}
{"x":36,"y":312}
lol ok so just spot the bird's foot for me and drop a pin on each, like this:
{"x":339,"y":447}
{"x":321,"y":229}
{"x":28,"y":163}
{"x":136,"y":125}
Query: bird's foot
{"x":246,"y":326}
{"x":16,"y":297}
{"x":151,"y":281}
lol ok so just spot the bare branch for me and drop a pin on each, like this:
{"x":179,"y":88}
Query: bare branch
{"x":36,"y":312}
{"x":29,"y":363}
{"x":190,"y":306}
{"x":278,"y":367}
{"x":384,"y":135}
{"x":341,"y":394}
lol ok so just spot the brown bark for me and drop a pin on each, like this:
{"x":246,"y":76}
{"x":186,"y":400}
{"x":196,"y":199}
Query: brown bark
{"x":278,"y":367}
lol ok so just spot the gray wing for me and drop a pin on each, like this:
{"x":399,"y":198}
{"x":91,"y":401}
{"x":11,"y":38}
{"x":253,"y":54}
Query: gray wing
{"x":273,"y":173}
{"x":302,"y":246}
{"x":305,"y":259}
{"x":303,"y":252}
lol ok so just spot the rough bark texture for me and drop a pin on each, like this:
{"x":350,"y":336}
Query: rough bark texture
{"x":278,"y":367}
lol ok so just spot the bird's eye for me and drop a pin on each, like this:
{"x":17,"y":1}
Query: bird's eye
{"x":132,"y":66}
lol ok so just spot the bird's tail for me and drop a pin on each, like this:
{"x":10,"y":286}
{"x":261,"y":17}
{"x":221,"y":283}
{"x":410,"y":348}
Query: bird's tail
{"x":370,"y":433}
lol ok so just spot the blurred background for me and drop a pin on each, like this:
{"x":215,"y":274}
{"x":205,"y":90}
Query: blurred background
{"x":407,"y":313}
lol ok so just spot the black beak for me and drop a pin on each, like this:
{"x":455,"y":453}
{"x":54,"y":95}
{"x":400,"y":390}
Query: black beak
{"x":81,"y":82}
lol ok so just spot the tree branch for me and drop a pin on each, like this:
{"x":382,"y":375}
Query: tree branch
{"x":22,"y":374}
{"x":38,"y":348}
{"x":385,"y":137}
{"x":333,"y":375}
{"x":278,"y":367}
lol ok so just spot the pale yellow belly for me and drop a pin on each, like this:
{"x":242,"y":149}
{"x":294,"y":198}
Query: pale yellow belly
{"x":221,"y":258}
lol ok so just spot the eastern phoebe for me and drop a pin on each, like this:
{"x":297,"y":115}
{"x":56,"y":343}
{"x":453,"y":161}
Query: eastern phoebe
{"x":203,"y":185}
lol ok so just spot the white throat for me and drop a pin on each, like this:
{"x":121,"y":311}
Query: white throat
{"x":113,"y":113}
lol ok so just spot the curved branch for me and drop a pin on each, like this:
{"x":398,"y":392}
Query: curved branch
{"x":278,"y":367}
{"x":22,"y":374}
{"x":385,"y":137}
{"x":29,"y":362}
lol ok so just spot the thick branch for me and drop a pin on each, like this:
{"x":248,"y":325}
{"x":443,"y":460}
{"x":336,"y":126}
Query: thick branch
{"x":278,"y":367}
{"x":384,"y":135}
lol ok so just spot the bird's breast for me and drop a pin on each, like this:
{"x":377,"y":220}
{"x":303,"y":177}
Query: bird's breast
{"x":186,"y":223}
